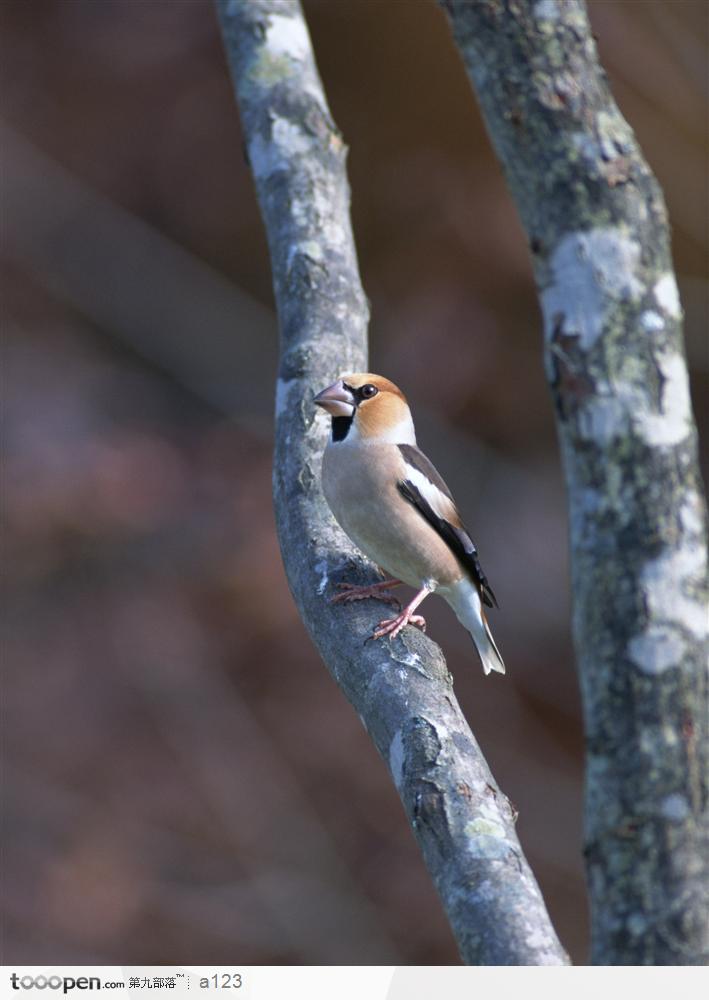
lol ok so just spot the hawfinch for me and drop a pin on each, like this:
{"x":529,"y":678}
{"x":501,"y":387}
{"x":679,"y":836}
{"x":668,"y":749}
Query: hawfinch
{"x":394,"y":505}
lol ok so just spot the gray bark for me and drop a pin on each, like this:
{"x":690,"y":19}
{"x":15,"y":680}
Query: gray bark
{"x":614,"y":356}
{"x":401,"y":689}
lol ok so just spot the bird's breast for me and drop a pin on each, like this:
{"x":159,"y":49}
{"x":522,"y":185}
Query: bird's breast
{"x":360,"y":485}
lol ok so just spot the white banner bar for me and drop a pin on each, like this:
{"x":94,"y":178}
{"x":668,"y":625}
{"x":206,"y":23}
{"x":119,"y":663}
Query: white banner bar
{"x":356,"y":982}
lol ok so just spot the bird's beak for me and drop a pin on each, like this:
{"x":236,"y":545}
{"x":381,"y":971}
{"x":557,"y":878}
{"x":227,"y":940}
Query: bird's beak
{"x":338,"y":401}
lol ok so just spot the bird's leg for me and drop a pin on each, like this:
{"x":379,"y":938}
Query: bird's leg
{"x":353,"y":593}
{"x":392,"y":626}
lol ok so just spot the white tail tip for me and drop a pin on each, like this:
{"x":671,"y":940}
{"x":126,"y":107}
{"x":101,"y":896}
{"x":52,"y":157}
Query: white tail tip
{"x":492,"y":664}
{"x":489,"y":653}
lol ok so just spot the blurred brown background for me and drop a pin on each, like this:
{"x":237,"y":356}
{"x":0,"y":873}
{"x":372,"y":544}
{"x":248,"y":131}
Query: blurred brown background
{"x":183,"y":781}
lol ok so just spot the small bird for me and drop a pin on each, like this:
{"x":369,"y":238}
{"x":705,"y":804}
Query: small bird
{"x":397,"y":509}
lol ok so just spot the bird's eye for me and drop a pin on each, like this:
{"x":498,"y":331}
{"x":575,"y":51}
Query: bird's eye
{"x":367,"y":391}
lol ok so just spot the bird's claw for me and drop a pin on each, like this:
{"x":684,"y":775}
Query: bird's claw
{"x":355,"y":593}
{"x":392,"y":626}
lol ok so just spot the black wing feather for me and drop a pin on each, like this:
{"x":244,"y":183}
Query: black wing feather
{"x":457,"y":539}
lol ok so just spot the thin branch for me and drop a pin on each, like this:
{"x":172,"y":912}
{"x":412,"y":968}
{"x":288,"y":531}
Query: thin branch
{"x":401,"y":690}
{"x":598,"y":231}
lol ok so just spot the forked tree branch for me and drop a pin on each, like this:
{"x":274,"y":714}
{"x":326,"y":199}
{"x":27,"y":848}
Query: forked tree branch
{"x":401,"y":689}
{"x":614,"y":355}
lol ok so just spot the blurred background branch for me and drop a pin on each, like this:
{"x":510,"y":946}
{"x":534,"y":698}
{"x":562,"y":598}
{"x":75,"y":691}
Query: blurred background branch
{"x":401,"y":690}
{"x":165,"y":304}
{"x":597,"y":227}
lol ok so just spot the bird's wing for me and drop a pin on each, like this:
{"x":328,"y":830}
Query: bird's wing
{"x":424,"y":488}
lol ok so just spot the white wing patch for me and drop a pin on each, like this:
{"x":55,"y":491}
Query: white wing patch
{"x":439,"y":503}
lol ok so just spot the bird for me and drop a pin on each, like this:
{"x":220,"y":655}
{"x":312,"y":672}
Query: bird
{"x":394,"y":505}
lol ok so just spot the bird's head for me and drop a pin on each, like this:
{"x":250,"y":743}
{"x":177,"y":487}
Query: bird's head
{"x":367,"y":407}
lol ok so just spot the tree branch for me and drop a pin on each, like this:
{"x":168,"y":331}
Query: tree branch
{"x":401,"y":690}
{"x":614,"y":356}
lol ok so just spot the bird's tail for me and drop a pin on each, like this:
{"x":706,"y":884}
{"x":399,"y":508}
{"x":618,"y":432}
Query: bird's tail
{"x":487,"y":648}
{"x":465,"y":601}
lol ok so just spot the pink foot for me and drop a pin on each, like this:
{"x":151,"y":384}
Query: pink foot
{"x":375,"y":590}
{"x":392,"y":626}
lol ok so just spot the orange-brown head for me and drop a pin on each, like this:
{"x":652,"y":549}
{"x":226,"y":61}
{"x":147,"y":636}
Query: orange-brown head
{"x":367,"y":407}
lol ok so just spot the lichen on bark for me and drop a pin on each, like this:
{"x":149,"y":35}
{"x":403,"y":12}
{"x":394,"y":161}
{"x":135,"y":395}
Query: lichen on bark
{"x":614,"y":358}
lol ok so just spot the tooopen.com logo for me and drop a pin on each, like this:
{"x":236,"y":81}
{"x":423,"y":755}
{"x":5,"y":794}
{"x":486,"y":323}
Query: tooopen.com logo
{"x":63,"y":983}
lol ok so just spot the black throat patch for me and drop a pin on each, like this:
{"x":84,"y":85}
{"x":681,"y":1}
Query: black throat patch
{"x":340,"y":427}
